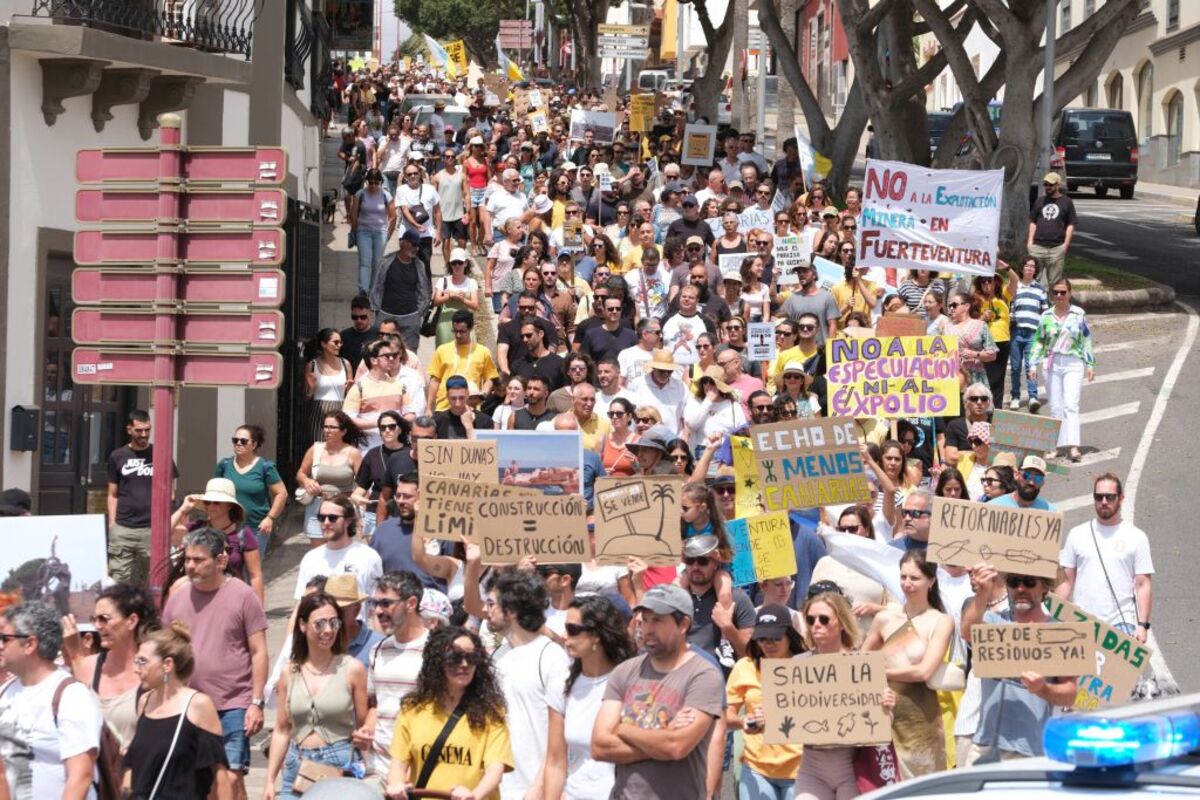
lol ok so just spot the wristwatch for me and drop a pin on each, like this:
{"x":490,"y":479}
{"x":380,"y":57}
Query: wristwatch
{"x":1145,"y":625}
{"x":259,"y":702}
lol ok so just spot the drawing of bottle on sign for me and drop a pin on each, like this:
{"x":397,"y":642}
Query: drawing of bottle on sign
{"x":638,"y":518}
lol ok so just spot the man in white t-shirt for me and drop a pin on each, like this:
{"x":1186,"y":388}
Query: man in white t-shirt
{"x":394,"y":663}
{"x":44,"y":757}
{"x":633,"y":359}
{"x":1106,"y":564}
{"x":528,"y":665}
{"x":341,"y":553}
{"x":507,"y":203}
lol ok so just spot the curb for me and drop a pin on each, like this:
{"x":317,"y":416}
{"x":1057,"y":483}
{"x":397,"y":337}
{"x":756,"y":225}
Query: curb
{"x":1126,"y":301}
{"x":1186,"y":203}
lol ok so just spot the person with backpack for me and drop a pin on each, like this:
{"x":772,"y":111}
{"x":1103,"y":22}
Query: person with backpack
{"x":259,"y":487}
{"x":225,"y":514}
{"x":50,"y":723}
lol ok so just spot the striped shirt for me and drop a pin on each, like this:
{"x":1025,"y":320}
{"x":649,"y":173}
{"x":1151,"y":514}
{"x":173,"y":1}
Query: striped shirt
{"x":1027,"y":307}
{"x":392,"y":675}
{"x":912,"y":293}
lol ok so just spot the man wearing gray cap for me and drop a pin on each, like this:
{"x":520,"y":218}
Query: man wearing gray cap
{"x":647,"y":693}
{"x":712,"y":624}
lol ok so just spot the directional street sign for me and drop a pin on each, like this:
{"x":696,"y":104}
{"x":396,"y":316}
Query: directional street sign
{"x":642,"y":31}
{"x":227,"y":245}
{"x":253,"y":370}
{"x":104,"y":326}
{"x":631,"y":53}
{"x":115,"y":204}
{"x":264,"y":165}
{"x":260,"y":288}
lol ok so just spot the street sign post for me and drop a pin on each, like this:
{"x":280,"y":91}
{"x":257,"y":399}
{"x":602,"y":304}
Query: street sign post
{"x":185,"y":292}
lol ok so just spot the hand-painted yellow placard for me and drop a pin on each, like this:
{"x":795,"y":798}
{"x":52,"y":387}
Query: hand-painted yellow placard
{"x":893,"y":376}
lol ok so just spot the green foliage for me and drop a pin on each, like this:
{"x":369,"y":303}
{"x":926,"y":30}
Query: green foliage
{"x":458,"y":19}
{"x":23,"y":576}
{"x":412,"y":47}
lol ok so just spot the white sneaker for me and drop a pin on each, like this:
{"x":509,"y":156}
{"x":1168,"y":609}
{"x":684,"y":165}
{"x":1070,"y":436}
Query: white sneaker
{"x":1014,"y":404}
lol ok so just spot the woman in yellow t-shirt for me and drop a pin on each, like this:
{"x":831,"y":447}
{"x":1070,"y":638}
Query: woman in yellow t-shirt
{"x":456,"y":678}
{"x":768,"y":770}
{"x":993,"y":309}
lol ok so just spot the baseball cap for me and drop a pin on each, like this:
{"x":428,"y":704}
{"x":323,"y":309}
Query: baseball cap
{"x":459,"y":254}
{"x":1034,"y":462}
{"x":702,"y":545}
{"x":674,"y":187}
{"x":772,"y":622}
{"x":412,"y":237}
{"x":476,"y":140}
{"x":667,"y":598}
{"x":735,"y":184}
{"x":690,"y":200}
{"x":693,"y":239}
{"x":1052,"y":177}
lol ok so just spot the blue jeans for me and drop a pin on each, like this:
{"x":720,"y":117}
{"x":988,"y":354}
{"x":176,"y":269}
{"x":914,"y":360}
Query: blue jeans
{"x":754,"y":786}
{"x":233,"y":735}
{"x":370,"y":252}
{"x":337,"y":754}
{"x":1018,"y":363}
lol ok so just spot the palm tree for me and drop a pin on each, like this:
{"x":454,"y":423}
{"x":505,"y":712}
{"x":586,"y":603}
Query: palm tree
{"x":662,"y":493}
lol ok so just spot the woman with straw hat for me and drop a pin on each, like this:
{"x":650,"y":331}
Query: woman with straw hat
{"x":224,"y":513}
{"x":713,"y":407}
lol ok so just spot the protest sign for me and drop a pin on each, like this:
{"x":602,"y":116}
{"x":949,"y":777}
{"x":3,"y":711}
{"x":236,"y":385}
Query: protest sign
{"x":790,"y":252}
{"x":830,"y":699}
{"x":602,"y":124}
{"x":457,"y":52}
{"x":59,"y":560}
{"x":1014,"y":431}
{"x":754,"y":217}
{"x":893,"y":376}
{"x":1055,"y":649}
{"x":829,"y":273}
{"x":942,"y":220}
{"x":771,"y":545}
{"x":549,"y":527}
{"x":742,"y":566}
{"x":809,"y":463}
{"x":1024,"y":541}
{"x":535,"y":98}
{"x":760,"y":341}
{"x":572,"y":234}
{"x":699,"y":145}
{"x":549,"y":461}
{"x":447,"y":509}
{"x":638,"y":517}
{"x":604,"y":180}
{"x":904,"y":325}
{"x":462,"y":459}
{"x":538,"y":121}
{"x":521,"y":104}
{"x":641,"y":113}
{"x":1121,"y":661}
{"x":730,"y":264}
{"x":747,"y":498}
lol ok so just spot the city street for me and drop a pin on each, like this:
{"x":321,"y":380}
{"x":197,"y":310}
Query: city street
{"x":1150,"y":237}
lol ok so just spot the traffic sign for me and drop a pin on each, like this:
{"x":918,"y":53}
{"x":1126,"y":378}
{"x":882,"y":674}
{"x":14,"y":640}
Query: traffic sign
{"x":101,"y":326}
{"x":265,"y":165}
{"x":254,"y":370}
{"x":631,"y":53}
{"x":260,"y":288}
{"x":522,"y":24}
{"x":197,"y":204}
{"x":227,"y":245}
{"x":642,"y":31}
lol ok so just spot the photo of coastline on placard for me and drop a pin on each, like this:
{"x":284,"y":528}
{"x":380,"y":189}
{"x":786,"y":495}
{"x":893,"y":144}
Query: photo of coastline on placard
{"x":59,"y":560}
{"x":549,"y":461}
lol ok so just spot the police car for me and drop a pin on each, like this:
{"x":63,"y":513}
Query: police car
{"x":1137,"y":750}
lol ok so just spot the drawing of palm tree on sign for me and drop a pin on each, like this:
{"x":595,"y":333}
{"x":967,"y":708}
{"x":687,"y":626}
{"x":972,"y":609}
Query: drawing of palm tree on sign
{"x":662,"y":493}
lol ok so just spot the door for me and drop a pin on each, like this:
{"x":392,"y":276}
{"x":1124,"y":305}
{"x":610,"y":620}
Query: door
{"x":81,"y":425}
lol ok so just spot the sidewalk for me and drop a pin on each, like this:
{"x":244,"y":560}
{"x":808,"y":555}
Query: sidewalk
{"x":1183,"y":196}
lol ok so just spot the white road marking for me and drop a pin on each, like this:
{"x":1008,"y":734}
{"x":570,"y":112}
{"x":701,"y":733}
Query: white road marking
{"x":1159,"y":411}
{"x":1124,"y":375}
{"x":1113,"y":347}
{"x":1096,"y":457}
{"x":1112,"y":412}
{"x":1094,"y":238}
{"x":1105,"y":319}
{"x":1072,"y":503}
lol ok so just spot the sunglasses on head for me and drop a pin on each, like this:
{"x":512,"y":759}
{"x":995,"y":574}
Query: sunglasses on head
{"x":1013,"y":581}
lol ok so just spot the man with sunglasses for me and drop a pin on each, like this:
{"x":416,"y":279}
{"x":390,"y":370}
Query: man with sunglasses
{"x":1012,"y":711}
{"x":809,"y":298}
{"x":711,"y":622}
{"x":510,"y":347}
{"x":613,"y":335}
{"x":539,"y":359}
{"x":1051,"y":226}
{"x":917,"y":512}
{"x":1030,"y":479}
{"x":689,"y":225}
{"x":360,"y":332}
{"x":1107,"y":569}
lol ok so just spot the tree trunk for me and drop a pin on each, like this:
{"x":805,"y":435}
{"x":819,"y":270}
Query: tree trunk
{"x":785,"y":113}
{"x":706,"y":88}
{"x":1015,"y":149}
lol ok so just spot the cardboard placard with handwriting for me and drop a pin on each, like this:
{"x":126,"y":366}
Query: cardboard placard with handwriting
{"x":1121,"y":661}
{"x":1014,"y":431}
{"x":699,"y":145}
{"x":538,"y":121}
{"x":809,"y":463}
{"x":521,"y":104}
{"x":1020,"y":540}
{"x":551,"y":528}
{"x":638,"y":517}
{"x":1051,"y":649}
{"x":833,"y":699}
{"x":461,"y":459}
{"x":641,"y":113}
{"x":447,"y":507}
{"x":900,"y":325}
{"x":892,"y":376}
{"x":771,"y":545}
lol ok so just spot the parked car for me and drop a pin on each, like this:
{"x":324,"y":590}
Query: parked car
{"x":1196,"y":220}
{"x":651,"y":80}
{"x":453,"y":116}
{"x":423,"y":100}
{"x":1099,"y":149}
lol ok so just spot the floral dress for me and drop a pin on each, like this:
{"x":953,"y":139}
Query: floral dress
{"x":973,"y":335}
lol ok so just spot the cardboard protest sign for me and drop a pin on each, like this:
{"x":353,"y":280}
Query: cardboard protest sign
{"x":611,"y":101}
{"x":905,"y":325}
{"x":495,"y":84}
{"x":549,"y":527}
{"x":742,"y":566}
{"x":1058,"y":649}
{"x":521,"y":104}
{"x":807,"y":463}
{"x":462,"y":459}
{"x":760,"y":341}
{"x":754,"y":217}
{"x":747,"y":498}
{"x":771,"y":545}
{"x":893,"y":376}
{"x":538,"y":121}
{"x":942,"y":220}
{"x":572,"y":234}
{"x":699,"y":145}
{"x":1020,"y":540}
{"x":731,"y":264}
{"x":638,"y":517}
{"x":829,"y":273}
{"x":641,"y":113}
{"x":1014,"y":431}
{"x":1120,"y":660}
{"x":790,"y":252}
{"x":832,"y":699}
{"x":535,"y":98}
{"x":447,"y":507}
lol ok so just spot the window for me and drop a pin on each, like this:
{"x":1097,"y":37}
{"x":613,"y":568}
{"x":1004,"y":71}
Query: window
{"x":1116,"y":91}
{"x":1089,"y":8}
{"x":1145,"y":99}
{"x":1064,"y":16}
{"x":1089,"y":98}
{"x":1174,"y":128}
{"x":1172,"y":14}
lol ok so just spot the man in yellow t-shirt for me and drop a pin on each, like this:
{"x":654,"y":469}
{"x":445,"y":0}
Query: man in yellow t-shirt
{"x":859,"y":294}
{"x":633,"y":256}
{"x":460,"y":357}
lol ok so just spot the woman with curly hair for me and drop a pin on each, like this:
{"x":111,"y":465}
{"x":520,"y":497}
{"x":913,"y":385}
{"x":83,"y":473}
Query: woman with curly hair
{"x":456,"y":689}
{"x":597,"y":641}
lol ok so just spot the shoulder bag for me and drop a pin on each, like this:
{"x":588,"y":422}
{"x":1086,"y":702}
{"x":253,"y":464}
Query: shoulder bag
{"x":171,"y":751}
{"x":433,"y":315}
{"x":435,"y":750}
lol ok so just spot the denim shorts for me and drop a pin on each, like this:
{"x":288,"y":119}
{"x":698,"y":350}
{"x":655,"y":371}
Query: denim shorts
{"x":338,"y":754}
{"x":233,"y":735}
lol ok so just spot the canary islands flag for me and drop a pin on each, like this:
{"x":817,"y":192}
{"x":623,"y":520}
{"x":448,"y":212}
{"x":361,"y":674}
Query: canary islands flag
{"x":437,"y":53}
{"x":812,"y":163}
{"x":511,"y":70}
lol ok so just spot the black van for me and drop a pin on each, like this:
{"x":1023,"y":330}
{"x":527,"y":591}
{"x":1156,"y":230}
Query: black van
{"x":1099,"y":146}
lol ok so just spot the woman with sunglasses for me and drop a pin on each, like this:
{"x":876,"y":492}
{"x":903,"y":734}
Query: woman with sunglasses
{"x":730,"y":242}
{"x":328,"y":468}
{"x":768,"y":770}
{"x":993,"y":310}
{"x":914,"y":638}
{"x":373,"y":220}
{"x":975,"y":345}
{"x":456,"y":679}
{"x":680,"y":457}
{"x":711,"y":408}
{"x":327,"y":376}
{"x":795,"y":384}
{"x":597,"y":641}
{"x":454,"y":291}
{"x":998,"y":481}
{"x":1064,"y":341}
{"x":973,"y":464}
{"x":827,"y":772}
{"x":219,"y":509}
{"x":618,"y":460}
{"x":645,"y":418}
{"x":783,"y":224}
{"x":977,"y":407}
{"x":617,"y":231}
{"x":475,"y":165}
{"x":322,"y":696}
{"x":260,"y":489}
{"x":867,"y":597}
{"x":604,"y":252}
{"x":372,"y":474}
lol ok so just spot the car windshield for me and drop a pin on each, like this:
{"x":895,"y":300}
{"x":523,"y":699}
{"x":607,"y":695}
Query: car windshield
{"x":1098,"y":125}
{"x":938,"y":124}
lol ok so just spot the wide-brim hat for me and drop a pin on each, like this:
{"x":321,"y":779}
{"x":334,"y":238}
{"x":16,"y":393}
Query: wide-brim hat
{"x":717,"y":375}
{"x":220,"y":490}
{"x":655,"y":437}
{"x":344,"y":588}
{"x":661,"y":359}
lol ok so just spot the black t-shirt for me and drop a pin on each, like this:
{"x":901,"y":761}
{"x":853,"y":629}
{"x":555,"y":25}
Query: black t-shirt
{"x":927,"y":430}
{"x":133,"y":472}
{"x":681,"y":227}
{"x":600,"y":343}
{"x":1050,"y":219}
{"x":356,"y":154}
{"x":549,"y":366}
{"x":399,"y":463}
{"x":353,"y":341}
{"x":373,"y":472}
{"x":400,"y":287}
{"x":525,"y":421}
{"x":510,"y":334}
{"x":450,"y":426}
{"x":956,"y":433}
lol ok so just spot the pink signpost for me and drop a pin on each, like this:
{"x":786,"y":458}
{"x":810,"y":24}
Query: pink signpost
{"x":178,"y":286}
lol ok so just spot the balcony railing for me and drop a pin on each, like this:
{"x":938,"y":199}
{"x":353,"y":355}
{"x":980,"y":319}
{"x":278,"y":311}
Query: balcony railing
{"x":222,"y":26}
